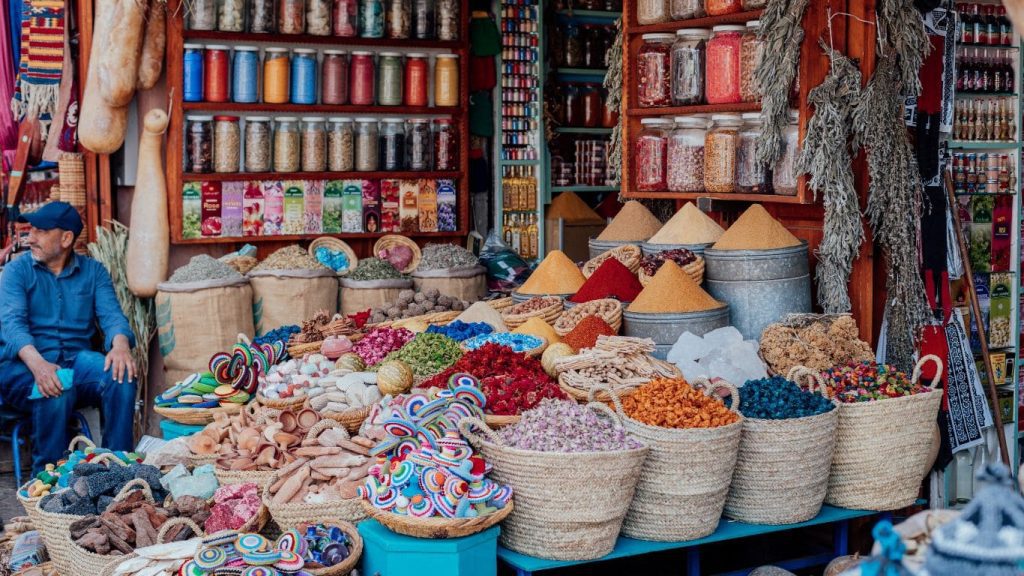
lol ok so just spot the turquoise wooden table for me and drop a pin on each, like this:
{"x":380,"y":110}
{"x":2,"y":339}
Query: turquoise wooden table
{"x":727,"y":530}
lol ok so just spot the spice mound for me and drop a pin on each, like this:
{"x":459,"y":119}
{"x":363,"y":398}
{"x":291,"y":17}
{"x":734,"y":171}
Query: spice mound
{"x":556,"y":274}
{"x":586,"y":333}
{"x":444,"y":256}
{"x":688,"y":226}
{"x":565,"y":426}
{"x":491,"y":360}
{"x":868,"y":381}
{"x":537,"y":327}
{"x":673,"y":403}
{"x":428,"y":354}
{"x":380,"y":342}
{"x":673,"y":291}
{"x":818,"y":342}
{"x":777,"y":398}
{"x":634,"y":223}
{"x":203,"y":267}
{"x":611,"y":280}
{"x":571,"y":208}
{"x":755,"y":229}
{"x":374,"y":269}
{"x":290,"y":258}
{"x":652,"y":262}
{"x":459,"y":330}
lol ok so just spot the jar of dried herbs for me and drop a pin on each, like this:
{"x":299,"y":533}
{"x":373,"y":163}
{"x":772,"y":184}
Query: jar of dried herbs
{"x":287,"y":145}
{"x":340,"y":145}
{"x":314,"y":144}
{"x":750,"y":178}
{"x":751,"y":53}
{"x":202,"y":15}
{"x":720,"y":153}
{"x":257,"y":144}
{"x":398,"y":19}
{"x":232,"y":16}
{"x":366,"y":145}
{"x":448,"y":21}
{"x":784,"y":181}
{"x":262,"y":16}
{"x":226,"y":144}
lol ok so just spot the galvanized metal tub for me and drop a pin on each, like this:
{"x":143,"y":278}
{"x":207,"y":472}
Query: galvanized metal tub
{"x":598,"y":247}
{"x":665,"y":328}
{"x":760,"y":286}
{"x":518,"y":298}
{"x":698,"y":249}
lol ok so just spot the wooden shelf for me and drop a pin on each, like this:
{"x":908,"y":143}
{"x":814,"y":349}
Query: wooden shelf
{"x":320,"y":108}
{"x":984,"y":145}
{"x":985,"y":94}
{"x":697,"y":109}
{"x":974,"y":45}
{"x":579,"y":130}
{"x":708,"y":22}
{"x":582,"y":71}
{"x":261,"y":176}
{"x":301,"y":237}
{"x":769,"y":198}
{"x":590,"y":14}
{"x":584,"y":188}
{"x":249,"y":38}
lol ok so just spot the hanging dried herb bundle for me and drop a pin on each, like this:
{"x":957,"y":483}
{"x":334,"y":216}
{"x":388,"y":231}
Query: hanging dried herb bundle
{"x":827,"y":159}
{"x":782,"y":35}
{"x":613,"y":85}
{"x":901,"y":33}
{"x":894,"y":204}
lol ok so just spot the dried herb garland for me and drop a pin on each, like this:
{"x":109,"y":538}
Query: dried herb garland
{"x":901,"y":33}
{"x":613,"y":85}
{"x":782,"y":35}
{"x":827,"y":159}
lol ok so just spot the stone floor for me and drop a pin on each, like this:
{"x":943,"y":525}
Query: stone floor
{"x":9,"y":505}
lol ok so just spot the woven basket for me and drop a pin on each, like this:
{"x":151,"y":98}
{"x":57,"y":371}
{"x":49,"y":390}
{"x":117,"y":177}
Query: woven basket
{"x":355,"y":552}
{"x":195,"y":416}
{"x":351,"y":419}
{"x":280,"y":403}
{"x":392,"y":240}
{"x":513,"y":318}
{"x":29,"y":504}
{"x":883,"y":448}
{"x":435,"y":528}
{"x":628,"y":254}
{"x":114,"y":561}
{"x":500,"y":304}
{"x":571,"y":317}
{"x":338,"y":245}
{"x":495,"y":421}
{"x":583,"y":394}
{"x":231,"y":477}
{"x":694,"y":270}
{"x":568,"y":506}
{"x":782,"y":470}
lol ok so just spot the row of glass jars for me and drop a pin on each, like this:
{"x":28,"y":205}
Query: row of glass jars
{"x":395,"y":19}
{"x":655,"y":11}
{"x":294,"y":76}
{"x":690,"y":154}
{"x":696,"y":66}
{"x":216,"y":144}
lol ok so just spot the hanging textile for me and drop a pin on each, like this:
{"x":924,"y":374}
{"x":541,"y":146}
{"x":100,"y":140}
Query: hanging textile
{"x":8,"y":125}
{"x":969,"y":413}
{"x":42,"y":59}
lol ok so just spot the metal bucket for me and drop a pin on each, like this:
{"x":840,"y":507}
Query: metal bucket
{"x":518,"y":298}
{"x":697,"y":249}
{"x":665,"y":328}
{"x":760,"y":286}
{"x":598,"y":247}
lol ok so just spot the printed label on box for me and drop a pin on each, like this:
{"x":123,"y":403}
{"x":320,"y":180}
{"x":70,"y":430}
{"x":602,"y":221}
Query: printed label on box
{"x":211,"y":209}
{"x":273,"y":208}
{"x":352,"y":207}
{"x":294,"y":207}
{"x":252,"y":209}
{"x":371,"y":206}
{"x":314,"y":203}
{"x":232,"y":194}
{"x":333,"y":210}
{"x":447,"y":220}
{"x":390,"y":211}
{"x":409,"y":191}
{"x":191,"y":210}
{"x":427,"y":205}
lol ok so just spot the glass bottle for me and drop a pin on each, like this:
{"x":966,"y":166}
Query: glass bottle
{"x":257,"y":144}
{"x":371,"y":19}
{"x":363,"y":73}
{"x":722,"y":7}
{"x":262,"y":16}
{"x":389,"y":84}
{"x":651,"y":155}
{"x":303,"y":76}
{"x":398,"y":19}
{"x":688,"y":66}
{"x":573,"y":47}
{"x":685,"y":171}
{"x":392,"y":144}
{"x":446,"y":145}
{"x":287,"y":146}
{"x":654,"y":71}
{"x":686,"y":9}
{"x":420,"y":143}
{"x":245,"y":74}
{"x":314,"y":144}
{"x":651,"y":11}
{"x":340,"y":145}
{"x":199,"y":144}
{"x":226,"y":144}
{"x":291,"y":16}
{"x":318,"y":17}
{"x":446,"y":80}
{"x":232,"y":16}
{"x":192,"y":73}
{"x":750,"y":178}
{"x":723,"y":68}
{"x":367,"y":147}
{"x":573,"y":106}
{"x":593,"y":106}
{"x":448,"y":20}
{"x":720,"y":148}
{"x":202,"y":16}
{"x":276,"y":72}
{"x":423,"y":23}
{"x":417,"y":79}
{"x":784,"y":181}
{"x":751,"y":53}
{"x":334,"y":78}
{"x":346,"y":18}
{"x":215,"y":73}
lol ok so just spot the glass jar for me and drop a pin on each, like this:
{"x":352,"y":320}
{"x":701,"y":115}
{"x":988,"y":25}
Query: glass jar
{"x":751,"y":53}
{"x":686,"y":9}
{"x":446,"y":145}
{"x":593,"y":106}
{"x":257,"y":144}
{"x":318,"y":17}
{"x":398,"y":19}
{"x":340,"y":145}
{"x":688,"y":66}
{"x":448,"y":20}
{"x":417,"y":72}
{"x":686,"y":155}
{"x":303,"y":85}
{"x":199,"y":144}
{"x":362,"y":79}
{"x":262,"y":16}
{"x":654,"y":71}
{"x":750,"y":178}
{"x":573,"y":47}
{"x":314,"y":144}
{"x":609,"y":117}
{"x":423,"y":19}
{"x":226,"y":144}
{"x":754,"y":4}
{"x":651,"y":155}
{"x":232,"y":16}
{"x":215,"y":73}
{"x":334,"y":78}
{"x":245,"y":75}
{"x":291,"y":16}
{"x":276,"y":70}
{"x":573,"y":106}
{"x":392,"y":144}
{"x":722,"y":75}
{"x":784,"y":180}
{"x":446,"y":80}
{"x":192,"y":73}
{"x":371,"y":19}
{"x":389,"y":83}
{"x":595,"y":46}
{"x":722,"y":7}
{"x":346,"y":18}
{"x":651,"y":11}
{"x":203,"y":15}
{"x":287,"y":145}
{"x":420,"y":144}
{"x":366,"y":145}
{"x":720,"y":147}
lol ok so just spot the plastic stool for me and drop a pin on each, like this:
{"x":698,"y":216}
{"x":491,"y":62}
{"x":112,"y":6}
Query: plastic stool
{"x":23,"y":422}
{"x":386,"y":553}
{"x":170,"y":429}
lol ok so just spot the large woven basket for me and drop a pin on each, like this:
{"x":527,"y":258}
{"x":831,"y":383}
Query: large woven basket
{"x":571,"y":317}
{"x":435,"y":528}
{"x":883,"y":448}
{"x":628,"y":254}
{"x":568,"y":506}
{"x":28,"y":503}
{"x":514,"y":318}
{"x":782,"y":469}
{"x":686,"y":477}
{"x":392,"y":240}
{"x":337,"y":245}
{"x":500,"y":304}
{"x":114,"y":561}
{"x":694,"y":270}
{"x":195,"y":416}
{"x":231,"y":477}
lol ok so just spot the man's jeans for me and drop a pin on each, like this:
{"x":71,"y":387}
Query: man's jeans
{"x":93,"y":387}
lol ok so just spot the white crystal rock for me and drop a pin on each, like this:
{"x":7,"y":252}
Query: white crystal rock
{"x":689,"y":346}
{"x":723,"y":337}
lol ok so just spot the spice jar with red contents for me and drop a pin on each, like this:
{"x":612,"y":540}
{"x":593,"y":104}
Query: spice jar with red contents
{"x":651,"y":11}
{"x":215,"y":78}
{"x":651,"y":155}
{"x":688,"y":66}
{"x":722,"y":7}
{"x":751,"y":53}
{"x":654,"y":70}
{"x":593,"y":106}
{"x":345,"y":14}
{"x":686,"y":155}
{"x":416,"y":79}
{"x":720,"y":148}
{"x":334,"y":78}
{"x":723,"y":65}
{"x":363,"y":77}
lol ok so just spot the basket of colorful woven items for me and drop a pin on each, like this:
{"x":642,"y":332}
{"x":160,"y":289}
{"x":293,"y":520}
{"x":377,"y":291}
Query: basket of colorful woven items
{"x":887,"y":422}
{"x":49,"y":479}
{"x":428,"y":482}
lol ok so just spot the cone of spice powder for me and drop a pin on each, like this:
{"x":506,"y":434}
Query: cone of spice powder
{"x":688,"y":226}
{"x":634,"y":223}
{"x":755,"y":229}
{"x":673,"y":291}
{"x":537,"y":327}
{"x":585,"y":334}
{"x":556,"y":274}
{"x":611,"y":280}
{"x":571,"y":208}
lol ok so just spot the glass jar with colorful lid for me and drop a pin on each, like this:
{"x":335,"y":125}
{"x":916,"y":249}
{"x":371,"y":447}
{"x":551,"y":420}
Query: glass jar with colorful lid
{"x":651,"y":155}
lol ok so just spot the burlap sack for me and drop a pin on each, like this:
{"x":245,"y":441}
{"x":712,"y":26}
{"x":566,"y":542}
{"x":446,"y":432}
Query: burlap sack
{"x":469,"y":283}
{"x":286,"y":297}
{"x":359,"y":295}
{"x":197,"y":319}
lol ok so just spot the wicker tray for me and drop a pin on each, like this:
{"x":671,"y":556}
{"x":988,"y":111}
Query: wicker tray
{"x":280,"y":403}
{"x":435,"y":528}
{"x":351,"y":419}
{"x":392,"y":240}
{"x":500,"y":304}
{"x":338,"y":245}
{"x":628,"y":254}
{"x":571,"y":317}
{"x":694,"y":270}
{"x":548,"y":313}
{"x":582,"y":396}
{"x":196,"y":416}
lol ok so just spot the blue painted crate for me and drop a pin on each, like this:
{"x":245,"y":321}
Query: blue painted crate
{"x":170,"y":429}
{"x":386,"y":553}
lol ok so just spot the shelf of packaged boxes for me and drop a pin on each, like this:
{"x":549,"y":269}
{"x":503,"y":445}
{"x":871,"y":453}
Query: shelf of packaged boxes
{"x":301,"y":237}
{"x":584,"y":188}
{"x":381,"y":175}
{"x":335,"y":41}
{"x":707,"y":22}
{"x":984,"y":145}
{"x":727,"y":197}
{"x":580,"y":130}
{"x":696,"y":109}
{"x":223,"y":107}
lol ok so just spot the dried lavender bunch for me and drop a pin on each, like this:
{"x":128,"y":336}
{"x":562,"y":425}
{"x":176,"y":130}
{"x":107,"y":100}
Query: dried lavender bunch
{"x":827,"y":158}
{"x":782,"y":34}
{"x":901,"y":33}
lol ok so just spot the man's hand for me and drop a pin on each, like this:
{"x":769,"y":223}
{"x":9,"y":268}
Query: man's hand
{"x":120,"y":359}
{"x":47,"y":381}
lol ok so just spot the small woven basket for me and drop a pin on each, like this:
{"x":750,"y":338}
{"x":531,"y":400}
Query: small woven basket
{"x":196,"y":416}
{"x":389,"y":241}
{"x":500,"y":304}
{"x":355,"y":552}
{"x":280,"y":403}
{"x":337,"y":245}
{"x":114,"y":561}
{"x":351,"y":419}
{"x":607,"y":309}
{"x":231,"y":477}
{"x":628,"y":254}
{"x":435,"y":528}
{"x":495,"y":421}
{"x":694,"y":270}
{"x":28,"y":503}
{"x":514,"y":317}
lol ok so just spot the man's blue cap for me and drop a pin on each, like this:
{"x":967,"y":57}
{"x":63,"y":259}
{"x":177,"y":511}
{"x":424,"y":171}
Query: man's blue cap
{"x":55,"y":215}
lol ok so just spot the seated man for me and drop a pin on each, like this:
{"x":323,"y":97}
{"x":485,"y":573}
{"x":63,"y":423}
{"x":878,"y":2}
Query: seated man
{"x":50,"y":304}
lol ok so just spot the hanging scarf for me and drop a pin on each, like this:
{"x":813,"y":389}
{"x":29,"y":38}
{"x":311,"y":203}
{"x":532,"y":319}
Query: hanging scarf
{"x":8,"y":125}
{"x":42,"y":60}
